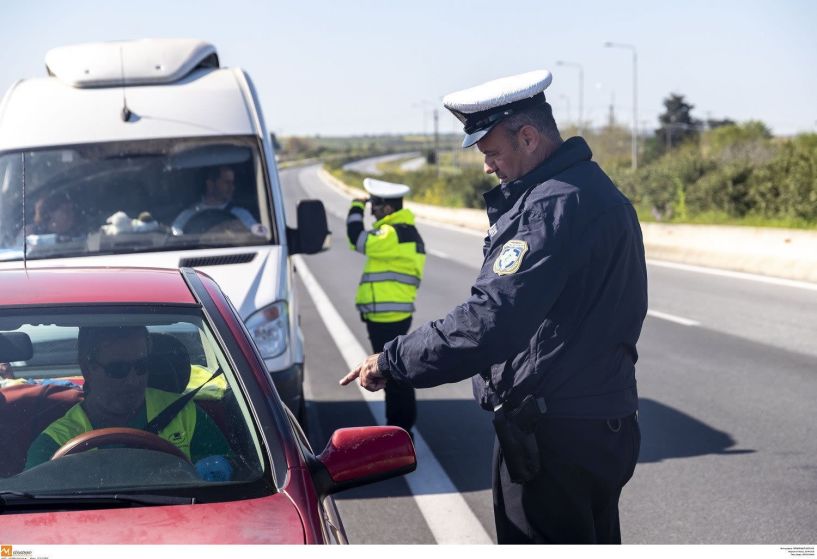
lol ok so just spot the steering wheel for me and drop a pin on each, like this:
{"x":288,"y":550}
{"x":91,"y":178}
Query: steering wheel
{"x":132,"y":438}
{"x":209,"y":219}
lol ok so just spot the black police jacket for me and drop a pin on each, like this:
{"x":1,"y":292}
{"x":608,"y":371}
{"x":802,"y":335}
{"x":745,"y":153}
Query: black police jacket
{"x":559,"y":302}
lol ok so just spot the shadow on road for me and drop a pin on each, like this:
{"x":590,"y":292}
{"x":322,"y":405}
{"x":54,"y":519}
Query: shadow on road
{"x":461,"y":436}
{"x":669,"y":433}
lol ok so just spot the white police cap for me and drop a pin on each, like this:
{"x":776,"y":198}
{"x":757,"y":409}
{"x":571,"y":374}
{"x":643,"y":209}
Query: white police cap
{"x":482,"y":107}
{"x":383,"y":189}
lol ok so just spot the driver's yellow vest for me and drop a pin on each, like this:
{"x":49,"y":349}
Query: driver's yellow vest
{"x":394,"y":267}
{"x":178,"y":432}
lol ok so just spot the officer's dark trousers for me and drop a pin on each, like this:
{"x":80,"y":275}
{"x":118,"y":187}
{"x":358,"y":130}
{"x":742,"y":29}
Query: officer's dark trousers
{"x":401,"y":405}
{"x":574,"y":499}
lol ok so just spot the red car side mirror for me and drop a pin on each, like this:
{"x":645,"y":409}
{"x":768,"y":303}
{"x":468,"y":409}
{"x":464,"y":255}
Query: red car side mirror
{"x":361,"y":455}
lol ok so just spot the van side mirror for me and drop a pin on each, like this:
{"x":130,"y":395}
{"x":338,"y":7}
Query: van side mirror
{"x":312,"y":234}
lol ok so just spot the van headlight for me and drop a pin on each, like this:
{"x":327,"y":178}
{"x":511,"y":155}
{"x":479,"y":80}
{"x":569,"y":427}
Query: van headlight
{"x":268,"y":328}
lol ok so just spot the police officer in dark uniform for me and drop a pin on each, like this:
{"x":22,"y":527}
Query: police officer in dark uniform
{"x":549,"y":332}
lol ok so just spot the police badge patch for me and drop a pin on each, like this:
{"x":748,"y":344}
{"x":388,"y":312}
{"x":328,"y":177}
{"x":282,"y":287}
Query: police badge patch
{"x":510,"y":258}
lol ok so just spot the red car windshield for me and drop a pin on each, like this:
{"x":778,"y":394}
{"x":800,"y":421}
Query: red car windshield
{"x":112,"y":399}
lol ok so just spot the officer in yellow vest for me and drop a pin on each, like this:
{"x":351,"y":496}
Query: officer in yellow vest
{"x":114,"y":364}
{"x":395,"y":256}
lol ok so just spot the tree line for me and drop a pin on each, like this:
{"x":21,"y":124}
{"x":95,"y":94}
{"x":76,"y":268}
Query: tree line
{"x":690,"y":170}
{"x":720,"y":171}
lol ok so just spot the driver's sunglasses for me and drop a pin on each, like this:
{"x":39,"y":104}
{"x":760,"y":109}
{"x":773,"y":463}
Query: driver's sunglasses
{"x":121,"y":369}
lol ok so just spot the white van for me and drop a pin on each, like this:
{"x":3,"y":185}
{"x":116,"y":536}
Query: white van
{"x":148,"y":153}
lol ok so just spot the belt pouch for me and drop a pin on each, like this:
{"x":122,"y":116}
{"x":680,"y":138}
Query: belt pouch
{"x":519,"y":447}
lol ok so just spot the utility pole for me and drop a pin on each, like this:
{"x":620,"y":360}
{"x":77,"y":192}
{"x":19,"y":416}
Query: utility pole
{"x":437,"y":141}
{"x":454,"y":161}
{"x":580,"y":124}
{"x":668,"y":129}
{"x":611,"y":118}
{"x":423,"y":106}
{"x":635,"y":97}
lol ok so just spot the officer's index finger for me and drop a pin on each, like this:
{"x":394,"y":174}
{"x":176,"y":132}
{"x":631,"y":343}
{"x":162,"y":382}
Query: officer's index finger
{"x":350,"y":377}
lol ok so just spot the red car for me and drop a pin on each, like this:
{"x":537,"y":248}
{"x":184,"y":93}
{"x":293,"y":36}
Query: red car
{"x":134,"y":408}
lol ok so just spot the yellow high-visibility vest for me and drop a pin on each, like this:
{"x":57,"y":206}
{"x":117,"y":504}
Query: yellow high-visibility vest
{"x":179,"y":431}
{"x":393,"y":270}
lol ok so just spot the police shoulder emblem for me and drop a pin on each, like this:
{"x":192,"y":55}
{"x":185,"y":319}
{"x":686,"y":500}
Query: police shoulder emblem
{"x":510,"y":258}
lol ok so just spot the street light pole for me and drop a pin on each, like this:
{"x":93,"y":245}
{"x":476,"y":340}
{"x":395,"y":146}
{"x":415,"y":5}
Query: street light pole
{"x":581,"y":91}
{"x":436,"y":138}
{"x":567,"y":104}
{"x":635,"y":97}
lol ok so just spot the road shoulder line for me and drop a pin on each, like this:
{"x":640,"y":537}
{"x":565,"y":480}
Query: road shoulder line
{"x":733,"y":274}
{"x":448,"y":516}
{"x":673,"y":318}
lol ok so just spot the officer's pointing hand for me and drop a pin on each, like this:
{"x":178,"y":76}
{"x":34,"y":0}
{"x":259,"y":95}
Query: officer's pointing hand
{"x":370,"y":377}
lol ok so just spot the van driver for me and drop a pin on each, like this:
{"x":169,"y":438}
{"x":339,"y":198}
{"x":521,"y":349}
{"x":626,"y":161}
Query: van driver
{"x":215,"y":207}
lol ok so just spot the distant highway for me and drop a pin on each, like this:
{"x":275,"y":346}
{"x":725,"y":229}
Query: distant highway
{"x":369,"y":166}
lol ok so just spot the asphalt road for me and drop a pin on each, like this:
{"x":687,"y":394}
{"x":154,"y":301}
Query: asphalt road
{"x":727,"y":379}
{"x":369,"y":166}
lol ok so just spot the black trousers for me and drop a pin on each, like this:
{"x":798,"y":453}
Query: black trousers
{"x":574,"y":500}
{"x":401,"y":404}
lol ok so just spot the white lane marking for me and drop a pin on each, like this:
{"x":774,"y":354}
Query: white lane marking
{"x":437,"y":253}
{"x":673,"y":318}
{"x":735,"y":275}
{"x":448,"y":516}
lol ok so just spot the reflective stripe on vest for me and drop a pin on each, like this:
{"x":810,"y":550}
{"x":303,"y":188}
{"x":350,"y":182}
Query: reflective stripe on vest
{"x":390,"y":276}
{"x":179,"y":431}
{"x":385,"y":307}
{"x":360,"y":245}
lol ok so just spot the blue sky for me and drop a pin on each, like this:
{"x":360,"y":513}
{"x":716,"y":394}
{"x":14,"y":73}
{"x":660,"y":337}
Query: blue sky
{"x":364,"y":66}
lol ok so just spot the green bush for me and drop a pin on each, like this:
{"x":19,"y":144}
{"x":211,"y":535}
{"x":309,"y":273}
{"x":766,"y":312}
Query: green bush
{"x":786,"y":187}
{"x":736,"y":173}
{"x":460,"y":188}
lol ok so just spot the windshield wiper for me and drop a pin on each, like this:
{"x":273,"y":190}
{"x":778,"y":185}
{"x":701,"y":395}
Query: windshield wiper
{"x":16,"y":500}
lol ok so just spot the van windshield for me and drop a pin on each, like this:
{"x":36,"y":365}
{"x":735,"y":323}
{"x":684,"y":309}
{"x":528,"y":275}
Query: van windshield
{"x":134,"y":196}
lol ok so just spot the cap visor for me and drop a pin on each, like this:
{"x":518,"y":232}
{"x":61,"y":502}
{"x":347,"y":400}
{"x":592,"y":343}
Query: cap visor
{"x":474,"y":137}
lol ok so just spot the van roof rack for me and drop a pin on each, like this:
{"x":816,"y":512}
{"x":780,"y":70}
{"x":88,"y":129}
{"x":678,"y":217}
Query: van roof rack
{"x":121,"y":63}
